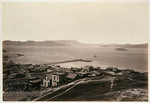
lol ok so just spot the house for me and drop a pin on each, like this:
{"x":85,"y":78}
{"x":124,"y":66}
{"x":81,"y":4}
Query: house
{"x":97,"y":69}
{"x":72,"y":76}
{"x":34,"y":83}
{"x":82,"y":74}
{"x":58,"y":78}
{"x":110,"y":72}
{"x":47,"y":80}
{"x":94,"y":74}
{"x":87,"y":68}
{"x":120,"y":73}
{"x":50,"y":71}
{"x":127,"y":71}
{"x":113,"y":69}
{"x":75,"y":70}
{"x":67,"y":70}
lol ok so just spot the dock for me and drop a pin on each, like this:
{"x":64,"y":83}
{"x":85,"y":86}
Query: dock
{"x":68,"y":61}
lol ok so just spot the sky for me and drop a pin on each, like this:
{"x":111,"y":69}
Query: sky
{"x":107,"y":23}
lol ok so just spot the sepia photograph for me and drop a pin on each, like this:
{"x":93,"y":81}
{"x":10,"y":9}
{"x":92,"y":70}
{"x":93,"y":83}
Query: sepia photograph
{"x":75,"y":51}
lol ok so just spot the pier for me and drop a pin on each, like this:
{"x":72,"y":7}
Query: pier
{"x":67,"y":61}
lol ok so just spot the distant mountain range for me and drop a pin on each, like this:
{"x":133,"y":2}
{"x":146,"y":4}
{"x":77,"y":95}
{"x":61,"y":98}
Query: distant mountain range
{"x":69,"y":43}
{"x":33,"y":43}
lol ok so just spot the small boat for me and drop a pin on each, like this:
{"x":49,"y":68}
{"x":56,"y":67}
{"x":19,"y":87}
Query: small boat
{"x":95,"y":56}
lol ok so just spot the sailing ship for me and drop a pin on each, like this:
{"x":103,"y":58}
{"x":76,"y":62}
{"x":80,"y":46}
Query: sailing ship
{"x":95,"y":56}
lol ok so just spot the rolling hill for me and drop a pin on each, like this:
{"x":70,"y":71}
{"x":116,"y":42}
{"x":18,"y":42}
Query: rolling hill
{"x":69,"y":43}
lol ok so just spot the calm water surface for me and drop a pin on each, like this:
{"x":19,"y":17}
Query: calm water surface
{"x":134,"y":58}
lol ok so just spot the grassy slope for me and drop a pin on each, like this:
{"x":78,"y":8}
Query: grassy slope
{"x":100,"y":91}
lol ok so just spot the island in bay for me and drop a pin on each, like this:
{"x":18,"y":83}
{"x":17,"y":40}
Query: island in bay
{"x":121,"y":49}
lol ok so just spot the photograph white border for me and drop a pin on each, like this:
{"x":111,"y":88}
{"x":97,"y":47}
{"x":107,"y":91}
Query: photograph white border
{"x":1,"y":69}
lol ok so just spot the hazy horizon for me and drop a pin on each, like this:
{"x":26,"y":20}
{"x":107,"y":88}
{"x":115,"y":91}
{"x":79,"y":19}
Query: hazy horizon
{"x":78,"y":41}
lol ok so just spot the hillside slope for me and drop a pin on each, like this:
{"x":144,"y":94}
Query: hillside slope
{"x":124,"y":88}
{"x":33,"y":43}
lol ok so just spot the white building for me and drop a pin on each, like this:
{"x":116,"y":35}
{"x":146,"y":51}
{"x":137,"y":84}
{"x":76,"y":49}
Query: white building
{"x":47,"y":80}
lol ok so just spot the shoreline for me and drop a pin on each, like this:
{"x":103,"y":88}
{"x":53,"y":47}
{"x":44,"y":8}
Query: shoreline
{"x":107,"y":74}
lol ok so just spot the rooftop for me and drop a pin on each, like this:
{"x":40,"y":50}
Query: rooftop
{"x":49,"y":76}
{"x":72,"y":75}
{"x":59,"y":74}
